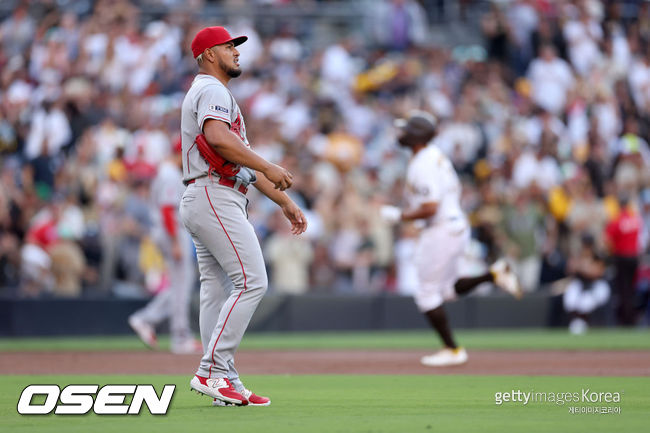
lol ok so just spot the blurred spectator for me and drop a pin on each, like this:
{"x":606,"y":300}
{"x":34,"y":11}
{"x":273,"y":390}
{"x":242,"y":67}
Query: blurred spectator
{"x":548,"y":32}
{"x":623,"y":234}
{"x":68,"y":265}
{"x":547,"y":127}
{"x":632,"y":157}
{"x":596,"y":165}
{"x":17,"y":31}
{"x":134,"y":228}
{"x":343,"y":150}
{"x":536,"y":168}
{"x":639,"y":80}
{"x":10,"y":231}
{"x":522,"y":222}
{"x":587,"y":289}
{"x":460,"y":139}
{"x":496,"y":30}
{"x":49,"y":132}
{"x":290,"y":258}
{"x":399,"y":24}
{"x":551,"y":78}
{"x":522,"y":20}
{"x":338,"y":66}
{"x":586,"y":214}
{"x":583,"y":34}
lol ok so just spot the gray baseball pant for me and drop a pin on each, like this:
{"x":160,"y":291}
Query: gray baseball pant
{"x":174,"y":302}
{"x":231,"y":265}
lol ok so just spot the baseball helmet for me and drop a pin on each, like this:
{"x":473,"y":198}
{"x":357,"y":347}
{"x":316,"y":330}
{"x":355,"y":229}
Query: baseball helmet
{"x":418,"y":127}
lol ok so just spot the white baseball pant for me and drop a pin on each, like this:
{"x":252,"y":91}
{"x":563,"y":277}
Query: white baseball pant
{"x":437,"y":254}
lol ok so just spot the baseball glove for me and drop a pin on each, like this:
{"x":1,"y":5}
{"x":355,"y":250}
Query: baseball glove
{"x":216,"y":162}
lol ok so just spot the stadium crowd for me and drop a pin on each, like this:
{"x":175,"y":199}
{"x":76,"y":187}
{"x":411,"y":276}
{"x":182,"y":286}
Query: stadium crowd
{"x":546,"y":124}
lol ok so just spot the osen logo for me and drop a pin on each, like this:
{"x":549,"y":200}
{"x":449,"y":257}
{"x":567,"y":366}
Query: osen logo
{"x":107,"y":400}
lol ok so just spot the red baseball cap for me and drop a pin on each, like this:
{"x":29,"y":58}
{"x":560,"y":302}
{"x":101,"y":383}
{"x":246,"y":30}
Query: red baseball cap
{"x":211,"y":36}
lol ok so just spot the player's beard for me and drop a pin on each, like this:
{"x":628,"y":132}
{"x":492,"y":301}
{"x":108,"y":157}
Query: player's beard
{"x":232,"y":72}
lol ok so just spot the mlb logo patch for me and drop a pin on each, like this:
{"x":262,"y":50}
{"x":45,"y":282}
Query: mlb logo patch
{"x":218,"y":108}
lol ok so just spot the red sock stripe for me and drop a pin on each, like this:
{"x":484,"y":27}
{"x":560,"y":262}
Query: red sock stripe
{"x":243,"y":272}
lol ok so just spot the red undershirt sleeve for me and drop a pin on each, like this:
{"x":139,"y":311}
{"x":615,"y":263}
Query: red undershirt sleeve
{"x":169,"y":219}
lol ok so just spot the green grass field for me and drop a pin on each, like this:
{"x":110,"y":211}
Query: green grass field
{"x":352,"y":404}
{"x":529,"y":339}
{"x":337,"y":403}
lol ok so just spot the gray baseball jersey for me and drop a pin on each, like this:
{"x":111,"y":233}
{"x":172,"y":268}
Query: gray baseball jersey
{"x":207,"y":99}
{"x":233,"y":275}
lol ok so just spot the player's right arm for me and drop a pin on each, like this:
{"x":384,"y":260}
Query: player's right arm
{"x":424,"y":211}
{"x":394,"y":215}
{"x":426,"y":193}
{"x":232,"y":148}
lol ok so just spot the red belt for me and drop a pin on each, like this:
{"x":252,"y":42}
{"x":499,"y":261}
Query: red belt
{"x":226,"y":182}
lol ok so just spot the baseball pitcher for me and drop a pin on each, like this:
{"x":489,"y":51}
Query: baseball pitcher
{"x":218,"y":168}
{"x":433,"y":198}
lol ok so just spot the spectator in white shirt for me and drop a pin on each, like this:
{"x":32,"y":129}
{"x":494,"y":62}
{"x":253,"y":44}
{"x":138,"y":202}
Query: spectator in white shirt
{"x":583,"y":36}
{"x":539,"y":168}
{"x":551,"y":78}
{"x":639,"y":79}
{"x":48,"y":132}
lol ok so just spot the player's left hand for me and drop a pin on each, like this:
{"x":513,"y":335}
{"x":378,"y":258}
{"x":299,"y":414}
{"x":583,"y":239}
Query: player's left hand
{"x":295,"y":217}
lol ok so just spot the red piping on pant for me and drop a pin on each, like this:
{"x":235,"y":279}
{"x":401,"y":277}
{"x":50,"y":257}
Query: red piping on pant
{"x":243,"y":272}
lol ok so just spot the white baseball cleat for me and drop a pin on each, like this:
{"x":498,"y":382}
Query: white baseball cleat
{"x":219,"y":388}
{"x":505,"y":278}
{"x":445,"y":357}
{"x":145,"y":332}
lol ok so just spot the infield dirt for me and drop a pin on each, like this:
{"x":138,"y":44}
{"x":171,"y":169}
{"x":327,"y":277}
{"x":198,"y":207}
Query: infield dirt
{"x":481,"y":362}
